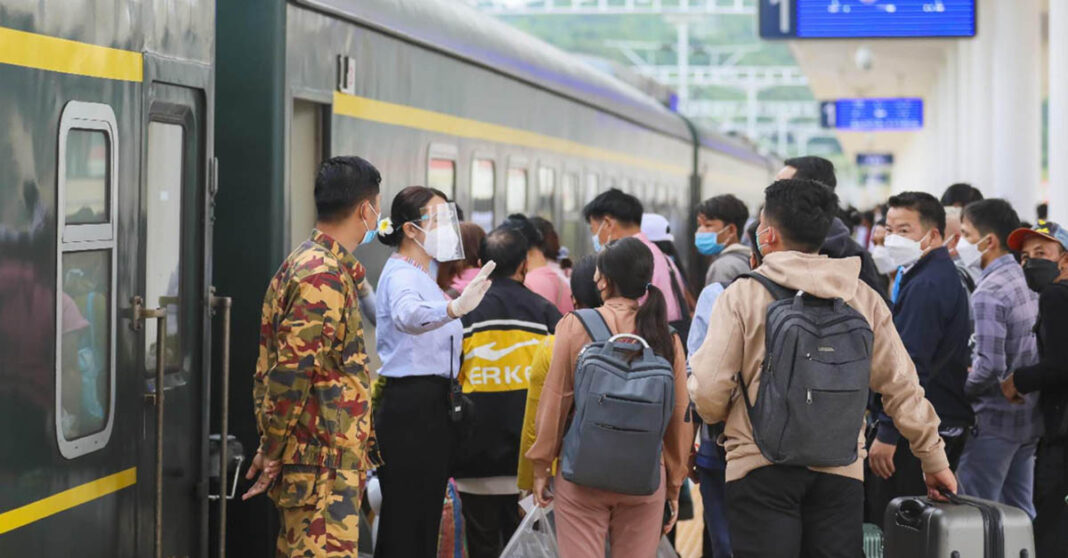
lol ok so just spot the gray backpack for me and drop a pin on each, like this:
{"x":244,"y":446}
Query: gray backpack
{"x":814,"y":380}
{"x":622,"y":409}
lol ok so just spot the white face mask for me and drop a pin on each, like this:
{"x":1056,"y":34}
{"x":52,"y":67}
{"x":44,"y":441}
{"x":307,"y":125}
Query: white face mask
{"x":442,"y":244}
{"x":969,"y":253}
{"x":903,"y":251}
{"x":884,"y":264}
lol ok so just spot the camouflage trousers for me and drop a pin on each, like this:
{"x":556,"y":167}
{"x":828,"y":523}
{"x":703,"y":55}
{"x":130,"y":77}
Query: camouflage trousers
{"x":320,"y":509}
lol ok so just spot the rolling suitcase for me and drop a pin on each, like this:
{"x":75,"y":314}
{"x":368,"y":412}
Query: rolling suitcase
{"x":961,"y":528}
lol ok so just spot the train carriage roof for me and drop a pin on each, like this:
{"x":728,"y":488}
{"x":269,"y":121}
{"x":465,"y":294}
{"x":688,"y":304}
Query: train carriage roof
{"x":462,"y":31}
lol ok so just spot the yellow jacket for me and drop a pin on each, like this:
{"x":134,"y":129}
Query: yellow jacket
{"x":539,"y":368}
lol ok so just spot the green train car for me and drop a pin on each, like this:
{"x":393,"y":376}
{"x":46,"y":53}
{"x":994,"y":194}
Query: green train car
{"x":105,"y":157}
{"x":157,"y":164}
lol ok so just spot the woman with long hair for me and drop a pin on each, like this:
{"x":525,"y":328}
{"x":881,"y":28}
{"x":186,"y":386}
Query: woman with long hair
{"x":419,"y":339}
{"x":585,"y":516}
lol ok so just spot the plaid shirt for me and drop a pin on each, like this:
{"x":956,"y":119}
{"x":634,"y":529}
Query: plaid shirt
{"x":1005,"y":314}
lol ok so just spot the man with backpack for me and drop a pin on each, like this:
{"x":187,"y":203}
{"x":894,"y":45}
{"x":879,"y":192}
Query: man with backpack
{"x":797,"y":345}
{"x":931,"y":314}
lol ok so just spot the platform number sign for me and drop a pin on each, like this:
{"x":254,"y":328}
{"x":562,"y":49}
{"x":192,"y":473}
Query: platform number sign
{"x":829,"y":114}
{"x":346,"y":74}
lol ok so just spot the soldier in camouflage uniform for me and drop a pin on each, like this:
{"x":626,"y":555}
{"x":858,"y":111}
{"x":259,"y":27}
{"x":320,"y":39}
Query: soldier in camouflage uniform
{"x":312,"y":386}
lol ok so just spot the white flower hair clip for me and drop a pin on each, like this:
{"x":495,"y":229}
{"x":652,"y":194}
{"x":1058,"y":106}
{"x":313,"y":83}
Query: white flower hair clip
{"x":385,"y":227}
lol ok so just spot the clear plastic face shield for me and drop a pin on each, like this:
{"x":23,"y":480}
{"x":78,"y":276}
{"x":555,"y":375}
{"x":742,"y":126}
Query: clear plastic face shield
{"x":441,"y":225}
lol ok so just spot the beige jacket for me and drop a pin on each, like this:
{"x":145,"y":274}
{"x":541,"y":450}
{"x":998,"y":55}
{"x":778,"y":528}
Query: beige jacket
{"x":735,"y":342}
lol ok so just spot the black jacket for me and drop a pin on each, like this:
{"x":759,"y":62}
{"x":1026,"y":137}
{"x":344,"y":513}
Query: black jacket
{"x":839,"y":244}
{"x":1050,"y":373}
{"x":501,"y":337}
{"x":931,"y":315}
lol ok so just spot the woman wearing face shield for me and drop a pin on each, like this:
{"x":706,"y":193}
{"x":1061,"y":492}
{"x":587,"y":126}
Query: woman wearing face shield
{"x":419,"y":335}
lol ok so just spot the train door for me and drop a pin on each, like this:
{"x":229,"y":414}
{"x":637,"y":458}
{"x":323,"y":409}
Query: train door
{"x":172,"y":311}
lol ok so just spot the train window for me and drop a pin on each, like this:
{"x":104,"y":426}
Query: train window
{"x":85,"y":343}
{"x":163,"y":255}
{"x":441,"y":175}
{"x":546,"y":192}
{"x":571,"y":193}
{"x":516,"y":196}
{"x":591,"y":187}
{"x":86,"y":270}
{"x":86,"y":178}
{"x":482,"y":179}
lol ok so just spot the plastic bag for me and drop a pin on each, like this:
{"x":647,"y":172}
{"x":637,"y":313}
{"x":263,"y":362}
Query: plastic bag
{"x":666,"y":549}
{"x":535,"y":537}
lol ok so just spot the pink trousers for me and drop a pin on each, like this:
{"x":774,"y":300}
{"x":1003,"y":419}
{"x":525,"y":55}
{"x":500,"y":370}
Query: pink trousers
{"x":585,"y":517}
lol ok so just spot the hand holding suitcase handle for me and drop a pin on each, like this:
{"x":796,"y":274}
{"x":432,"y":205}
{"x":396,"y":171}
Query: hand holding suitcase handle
{"x":938,"y":484}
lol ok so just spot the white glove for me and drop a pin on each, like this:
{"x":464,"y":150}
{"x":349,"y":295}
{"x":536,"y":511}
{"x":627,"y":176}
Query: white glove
{"x":473,"y":293}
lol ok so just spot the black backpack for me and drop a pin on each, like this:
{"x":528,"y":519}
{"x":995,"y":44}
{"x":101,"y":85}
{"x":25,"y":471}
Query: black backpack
{"x":814,"y":380}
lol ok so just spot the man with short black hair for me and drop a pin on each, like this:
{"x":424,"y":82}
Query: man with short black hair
{"x":501,"y":337}
{"x":930,"y":309}
{"x":720,"y":228}
{"x":613,"y":215}
{"x":999,"y":459}
{"x":960,"y":195}
{"x":839,"y":242}
{"x":812,"y":168}
{"x":779,"y":510}
{"x":312,"y":387}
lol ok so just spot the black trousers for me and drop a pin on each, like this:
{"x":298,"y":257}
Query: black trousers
{"x":416,"y":439}
{"x":1051,"y":489}
{"x":907,"y":479}
{"x":789,"y":512}
{"x":490,"y":522}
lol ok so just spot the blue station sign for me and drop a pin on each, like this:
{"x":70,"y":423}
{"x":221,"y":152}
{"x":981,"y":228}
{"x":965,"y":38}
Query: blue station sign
{"x":855,"y":19}
{"x":873,"y":114}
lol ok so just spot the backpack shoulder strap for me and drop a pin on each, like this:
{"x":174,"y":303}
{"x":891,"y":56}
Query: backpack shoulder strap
{"x":966,"y":280}
{"x":594,"y":323}
{"x":778,"y":292}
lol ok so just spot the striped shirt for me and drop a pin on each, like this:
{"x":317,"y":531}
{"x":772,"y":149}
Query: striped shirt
{"x":1005,"y":312}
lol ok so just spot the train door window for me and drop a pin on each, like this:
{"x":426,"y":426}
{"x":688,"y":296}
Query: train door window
{"x":307,"y":148}
{"x":546,"y":192}
{"x":516,"y":195}
{"x":163,"y":238}
{"x":441,"y":175}
{"x":87,"y":191}
{"x":85,"y":315}
{"x":592,"y":188}
{"x":483,"y":174}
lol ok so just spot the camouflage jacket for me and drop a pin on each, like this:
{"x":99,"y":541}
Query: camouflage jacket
{"x":312,"y":386}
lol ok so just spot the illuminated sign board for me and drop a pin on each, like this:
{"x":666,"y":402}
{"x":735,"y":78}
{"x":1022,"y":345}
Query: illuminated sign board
{"x":850,"y":19}
{"x":871,"y":114}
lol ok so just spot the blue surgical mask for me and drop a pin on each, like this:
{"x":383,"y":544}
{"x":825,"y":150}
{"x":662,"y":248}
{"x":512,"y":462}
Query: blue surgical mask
{"x":369,"y":236}
{"x":597,"y":246}
{"x":708,"y":243}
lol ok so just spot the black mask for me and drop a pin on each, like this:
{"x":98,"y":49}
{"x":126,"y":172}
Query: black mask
{"x":1040,"y":273}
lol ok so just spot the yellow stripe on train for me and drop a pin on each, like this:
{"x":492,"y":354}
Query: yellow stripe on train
{"x":66,"y":500}
{"x":31,"y":50}
{"x":431,"y":121}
